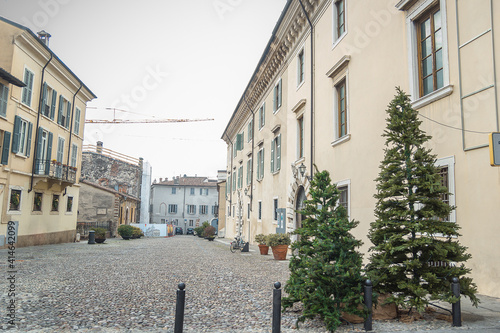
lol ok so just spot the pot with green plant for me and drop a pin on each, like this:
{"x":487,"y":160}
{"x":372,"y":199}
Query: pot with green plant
{"x":137,"y":233}
{"x":209,"y":233}
{"x":263,"y":247}
{"x":100,"y":235}
{"x":125,"y":231}
{"x":279,"y":244}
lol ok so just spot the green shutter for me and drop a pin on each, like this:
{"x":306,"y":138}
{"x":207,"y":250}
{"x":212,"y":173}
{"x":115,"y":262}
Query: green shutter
{"x":262,"y":166}
{"x":44,"y":98}
{"x":53,"y":104}
{"x":5,"y":148}
{"x":278,"y":154}
{"x":17,"y":134}
{"x":273,"y":150}
{"x":238,"y":142}
{"x":49,"y":153}
{"x":28,"y":141}
{"x":38,"y":157}
{"x":60,"y":113}
{"x":77,"y":121}
{"x":68,"y":115}
{"x":280,"y":90}
{"x":4,"y":96}
{"x":24,"y":98}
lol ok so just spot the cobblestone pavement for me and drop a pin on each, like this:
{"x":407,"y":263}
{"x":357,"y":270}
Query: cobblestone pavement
{"x":131,"y":286}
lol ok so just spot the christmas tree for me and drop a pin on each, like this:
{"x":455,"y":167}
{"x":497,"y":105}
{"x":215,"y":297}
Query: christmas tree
{"x":325,"y":269}
{"x":415,"y":252}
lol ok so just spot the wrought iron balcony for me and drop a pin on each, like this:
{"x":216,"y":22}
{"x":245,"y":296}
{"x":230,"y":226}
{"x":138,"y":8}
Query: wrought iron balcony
{"x":55,"y":170}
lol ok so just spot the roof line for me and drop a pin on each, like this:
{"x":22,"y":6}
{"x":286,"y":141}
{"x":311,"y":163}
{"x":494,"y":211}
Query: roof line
{"x":11,"y":78}
{"x":22,"y":27}
{"x":262,"y":58}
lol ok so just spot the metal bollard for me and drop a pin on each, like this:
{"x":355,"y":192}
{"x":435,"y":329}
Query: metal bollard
{"x":246,"y":247}
{"x":369,"y":304}
{"x":456,"y":312}
{"x":179,"y":309}
{"x":277,"y":308}
{"x":91,"y":237}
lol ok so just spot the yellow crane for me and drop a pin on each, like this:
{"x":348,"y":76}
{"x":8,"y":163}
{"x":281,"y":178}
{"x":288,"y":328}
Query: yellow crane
{"x":137,"y":121}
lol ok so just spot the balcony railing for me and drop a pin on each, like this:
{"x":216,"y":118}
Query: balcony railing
{"x":55,"y":170}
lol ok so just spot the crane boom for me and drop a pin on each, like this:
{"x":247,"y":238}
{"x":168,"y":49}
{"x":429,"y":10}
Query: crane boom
{"x":142,"y":121}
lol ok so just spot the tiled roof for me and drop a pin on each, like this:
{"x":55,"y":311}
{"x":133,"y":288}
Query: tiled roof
{"x":189,"y":181}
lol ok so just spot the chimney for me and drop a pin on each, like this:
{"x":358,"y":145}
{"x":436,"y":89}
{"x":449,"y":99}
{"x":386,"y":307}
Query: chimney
{"x":161,"y":179}
{"x":44,"y":37}
{"x":98,"y":149}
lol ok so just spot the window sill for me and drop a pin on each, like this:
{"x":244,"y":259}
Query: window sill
{"x":14,"y":212}
{"x":432,"y":97}
{"x":278,"y":110}
{"x":338,"y":40}
{"x":300,"y":85}
{"x":21,"y":155}
{"x":54,"y":212}
{"x":341,"y":140}
{"x":276,"y":172}
{"x":36,"y":212}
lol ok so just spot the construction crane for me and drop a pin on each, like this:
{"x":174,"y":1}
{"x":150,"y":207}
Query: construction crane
{"x":137,"y":121}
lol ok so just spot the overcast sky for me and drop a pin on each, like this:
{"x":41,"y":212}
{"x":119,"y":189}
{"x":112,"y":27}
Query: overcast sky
{"x":158,"y":58}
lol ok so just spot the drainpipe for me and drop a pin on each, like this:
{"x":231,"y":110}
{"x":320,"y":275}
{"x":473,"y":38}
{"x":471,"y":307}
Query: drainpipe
{"x":312,"y":88}
{"x":71,"y":131}
{"x":35,"y":151}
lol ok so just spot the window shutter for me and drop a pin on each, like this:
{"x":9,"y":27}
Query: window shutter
{"x":273,"y":150}
{"x":49,"y":153}
{"x":59,"y":114}
{"x":17,"y":134}
{"x":28,"y":146}
{"x":44,"y":98}
{"x":4,"y":96}
{"x":38,"y":157}
{"x":279,"y":94}
{"x":263,"y":114}
{"x":5,"y":148}
{"x":77,"y":121}
{"x":74,"y":154}
{"x":24,"y":98}
{"x":262,"y":165}
{"x":53,"y":105}
{"x":239,"y":141}
{"x":278,"y":154}
{"x":68,"y":115}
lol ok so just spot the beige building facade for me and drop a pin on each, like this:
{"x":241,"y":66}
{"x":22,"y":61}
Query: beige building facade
{"x":41,"y":125}
{"x":320,"y":98}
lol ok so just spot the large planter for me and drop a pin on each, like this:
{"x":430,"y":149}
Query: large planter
{"x":211,"y":238}
{"x":264,"y":249}
{"x":126,"y":237}
{"x":100,"y":240}
{"x":280,"y":251}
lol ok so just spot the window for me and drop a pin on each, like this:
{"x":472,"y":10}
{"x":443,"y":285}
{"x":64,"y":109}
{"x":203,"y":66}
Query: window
{"x":15,"y":200}
{"x":201,"y":191}
{"x":260,"y":164}
{"x":175,"y":222}
{"x":262,"y":116}
{"x":37,"y":202}
{"x":341,"y":109}
{"x":174,"y":190}
{"x":162,"y":221}
{"x":277,"y":96}
{"x":275,"y":209}
{"x":339,"y":18}
{"x":55,"y":203}
{"x":239,"y":142}
{"x":191,"y":209}
{"x":446,"y":168}
{"x":205,"y":191}
{"x":300,"y":137}
{"x":428,"y":47}
{"x":64,"y":115}
{"x":49,"y":100}
{"x":249,"y":171}
{"x":234,"y":181}
{"x":28,"y":89}
{"x":191,"y":191}
{"x":215,"y":211}
{"x":344,"y":197}
{"x":240,"y":176}
{"x":77,"y":121}
{"x":59,"y":156}
{"x":5,"y":148}
{"x":430,"y":51}
{"x":276,"y":154}
{"x":260,"y":210}
{"x":69,"y":205}
{"x":203,"y":209}
{"x":4,"y":97}
{"x":191,"y":223}
{"x":21,"y":141}
{"x":250,"y":131}
{"x":248,"y":210}
{"x":172,"y":209}
{"x":44,"y":152}
{"x":300,"y":67}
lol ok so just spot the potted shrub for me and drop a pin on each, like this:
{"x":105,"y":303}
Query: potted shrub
{"x":198,"y":231}
{"x":137,"y":232}
{"x":125,"y":231}
{"x":100,"y":234}
{"x":209,"y":233}
{"x":279,"y":244}
{"x":263,"y":247}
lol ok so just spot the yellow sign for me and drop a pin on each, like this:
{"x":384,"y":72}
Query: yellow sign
{"x":494,"y":149}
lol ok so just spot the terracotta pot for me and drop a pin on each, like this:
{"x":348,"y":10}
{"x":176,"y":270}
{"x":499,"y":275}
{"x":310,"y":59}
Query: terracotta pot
{"x":264,"y":249}
{"x":280,"y":251}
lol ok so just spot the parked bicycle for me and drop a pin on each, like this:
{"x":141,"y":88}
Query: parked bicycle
{"x":237,"y":244}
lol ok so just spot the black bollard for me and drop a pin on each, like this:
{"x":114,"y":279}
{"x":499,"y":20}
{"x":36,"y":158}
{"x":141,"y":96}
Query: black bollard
{"x":179,"y":309}
{"x":456,"y":312}
{"x":245,"y":248}
{"x":369,"y":304}
{"x":91,"y":237}
{"x":277,"y":308}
